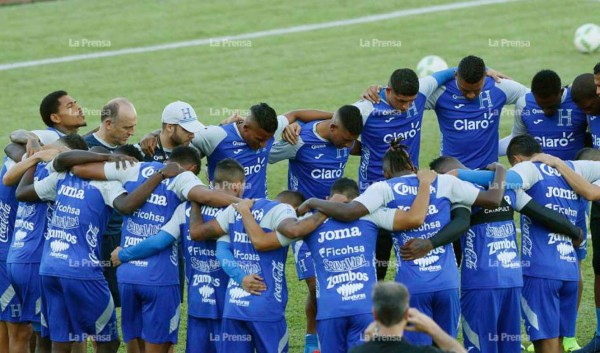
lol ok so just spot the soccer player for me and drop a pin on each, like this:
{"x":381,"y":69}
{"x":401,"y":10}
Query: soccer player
{"x":143,"y":283}
{"x":25,"y":252}
{"x":491,"y":277}
{"x":117,"y":124}
{"x":433,"y":279}
{"x":250,"y":142}
{"x":206,"y":280}
{"x":551,"y":280}
{"x":70,"y":267}
{"x":316,"y":161}
{"x":345,"y":278}
{"x":468,"y":109}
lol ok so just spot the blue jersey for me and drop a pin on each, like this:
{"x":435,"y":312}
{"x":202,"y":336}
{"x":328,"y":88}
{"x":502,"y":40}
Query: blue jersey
{"x":81,"y":210}
{"x":207,"y":282}
{"x":31,"y":225}
{"x":465,"y":124}
{"x":315,"y":163}
{"x":562,"y":134}
{"x":546,"y":254}
{"x":8,"y":211}
{"x":594,"y":123}
{"x":270,"y":265}
{"x":162,"y":267}
{"x":490,"y":253}
{"x":344,"y":256}
{"x":93,"y":140}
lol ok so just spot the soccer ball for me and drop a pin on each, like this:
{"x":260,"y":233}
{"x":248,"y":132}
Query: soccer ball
{"x":429,"y":65}
{"x":587,"y":38}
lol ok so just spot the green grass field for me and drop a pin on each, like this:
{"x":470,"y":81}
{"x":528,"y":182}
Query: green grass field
{"x":321,"y":69}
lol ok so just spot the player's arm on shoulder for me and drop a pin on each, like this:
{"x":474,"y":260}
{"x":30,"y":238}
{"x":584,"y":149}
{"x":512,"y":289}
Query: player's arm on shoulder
{"x":147,"y":247}
{"x":214,"y":198}
{"x":584,"y":179}
{"x":129,"y":203}
{"x":15,"y":151}
{"x":293,"y":229}
{"x":493,"y":196}
{"x":207,"y":139}
{"x":417,"y":212}
{"x":428,"y":85}
{"x":13,"y":175}
{"x":366,"y":107}
{"x":553,"y":220}
{"x":261,"y":240}
{"x":26,"y":191}
{"x":307,"y":115}
{"x":209,"y":230}
{"x":283,"y":150}
{"x":338,"y":210}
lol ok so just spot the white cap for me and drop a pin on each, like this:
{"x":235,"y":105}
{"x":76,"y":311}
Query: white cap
{"x":181,"y":113}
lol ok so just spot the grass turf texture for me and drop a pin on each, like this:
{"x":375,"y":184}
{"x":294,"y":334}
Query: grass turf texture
{"x":322,"y":69}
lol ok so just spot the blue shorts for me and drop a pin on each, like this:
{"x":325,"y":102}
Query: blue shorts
{"x":491,"y":320}
{"x":339,"y":335}
{"x":549,"y":307}
{"x":202,"y":335}
{"x":442,"y":306}
{"x":10,"y":309}
{"x":305,"y":265}
{"x":247,"y":336}
{"x":76,"y":309}
{"x":25,"y":279}
{"x":150,"y":313}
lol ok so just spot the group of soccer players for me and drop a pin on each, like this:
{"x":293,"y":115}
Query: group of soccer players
{"x":73,"y":208}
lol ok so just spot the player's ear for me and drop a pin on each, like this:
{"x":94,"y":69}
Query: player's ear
{"x":55,"y":118}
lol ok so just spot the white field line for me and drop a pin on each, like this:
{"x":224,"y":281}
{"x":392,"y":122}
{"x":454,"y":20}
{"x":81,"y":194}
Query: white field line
{"x":253,"y":35}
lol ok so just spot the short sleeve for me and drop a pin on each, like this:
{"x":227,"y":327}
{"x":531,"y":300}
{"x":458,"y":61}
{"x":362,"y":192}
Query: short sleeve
{"x":456,"y":190}
{"x":225,"y":239}
{"x":365,"y":107}
{"x":46,"y":188}
{"x":225,"y":218}
{"x":207,"y":139}
{"x":110,"y":190}
{"x":433,"y":98}
{"x":276,"y":215}
{"x":283,"y":240}
{"x":121,"y":175}
{"x":589,"y":170}
{"x":282,"y":123}
{"x":46,"y":136}
{"x":377,"y":195}
{"x":427,"y":85}
{"x":283,"y":150}
{"x":383,"y":218}
{"x":519,"y":128}
{"x":528,"y":172}
{"x":522,"y":199}
{"x":173,"y":226}
{"x":183,"y":183}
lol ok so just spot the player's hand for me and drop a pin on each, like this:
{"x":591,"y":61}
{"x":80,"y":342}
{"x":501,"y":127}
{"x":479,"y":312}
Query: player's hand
{"x":546,"y":159}
{"x":494,"y":166}
{"x":32,"y":146}
{"x":415,"y":249}
{"x":234,"y":118}
{"x":172,"y":169}
{"x":453,"y":172}
{"x":148,"y":143}
{"x":291,"y":133}
{"x":372,"y":94}
{"x":419,"y":322}
{"x":121,"y":160}
{"x":254,"y":284}
{"x":426,"y":176}
{"x":305,"y":207}
{"x":46,"y":155}
{"x":577,"y":242}
{"x":497,"y":75}
{"x":244,"y":205}
{"x":114,"y":256}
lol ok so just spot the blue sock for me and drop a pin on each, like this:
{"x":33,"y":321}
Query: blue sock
{"x":597,"y":321}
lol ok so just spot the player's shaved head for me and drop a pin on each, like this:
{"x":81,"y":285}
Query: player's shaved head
{"x":345,"y":186}
{"x":521,"y":148}
{"x":292,"y":198}
{"x":117,"y":107}
{"x":390,"y":303}
{"x":444,"y":164}
{"x":588,"y":154}
{"x":583,"y":93}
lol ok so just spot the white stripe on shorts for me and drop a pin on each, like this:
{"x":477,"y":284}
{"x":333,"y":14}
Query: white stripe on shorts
{"x":174,"y":323}
{"x":105,"y":317}
{"x":531,"y":316}
{"x":283,"y":341}
{"x":471,"y":335}
{"x":6,"y":297}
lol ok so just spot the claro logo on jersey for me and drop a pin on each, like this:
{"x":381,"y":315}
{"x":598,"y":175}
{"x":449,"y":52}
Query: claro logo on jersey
{"x":325,"y":174}
{"x":411,"y":132}
{"x":479,"y":124}
{"x":549,"y":142}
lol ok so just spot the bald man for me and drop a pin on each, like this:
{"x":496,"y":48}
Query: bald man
{"x":118,"y":119}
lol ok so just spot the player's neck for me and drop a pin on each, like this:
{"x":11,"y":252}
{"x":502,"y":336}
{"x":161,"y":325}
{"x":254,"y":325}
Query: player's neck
{"x":103,"y":135}
{"x":322,"y":129}
{"x":166,"y":141}
{"x":65,"y":130}
{"x":394,"y":331}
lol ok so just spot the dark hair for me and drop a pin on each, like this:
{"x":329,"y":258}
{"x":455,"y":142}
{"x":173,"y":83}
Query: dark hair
{"x":265,"y":117}
{"x":597,"y":69}
{"x":583,"y":88}
{"x":345,"y":186}
{"x":229,"y":170}
{"x":74,"y":142}
{"x":546,"y":83}
{"x":471,"y":69}
{"x":439,"y":164}
{"x":397,"y":158}
{"x":405,"y":82}
{"x":186,"y":155}
{"x":351,"y":119}
{"x":524,"y":145}
{"x":390,"y":302}
{"x":292,"y":198}
{"x":50,"y":106}
{"x":130,"y":150}
{"x":588,"y":154}
{"x":110,"y":110}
